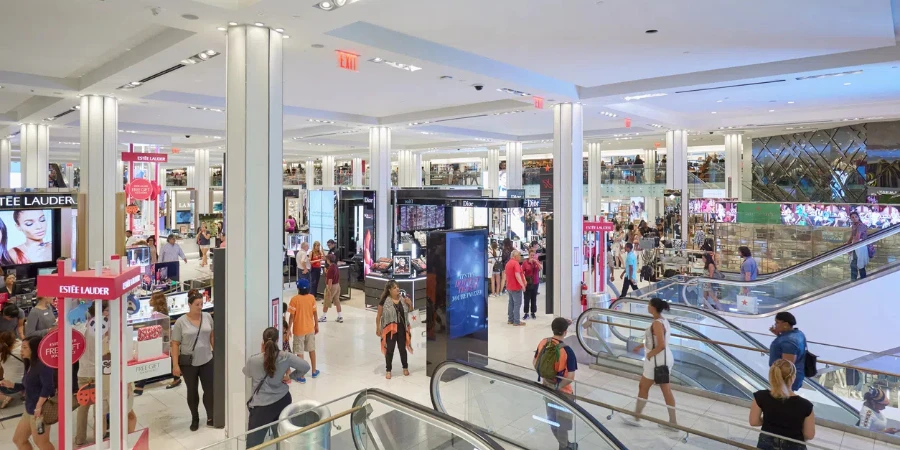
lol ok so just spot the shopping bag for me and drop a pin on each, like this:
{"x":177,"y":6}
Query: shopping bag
{"x":746,"y":303}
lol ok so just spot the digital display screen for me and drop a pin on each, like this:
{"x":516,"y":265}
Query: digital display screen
{"x":421,"y":217}
{"x":820,"y":215}
{"x":719,"y":211}
{"x":466,"y":273}
{"x":182,"y":217}
{"x":29,"y":236}
{"x":321,"y":216}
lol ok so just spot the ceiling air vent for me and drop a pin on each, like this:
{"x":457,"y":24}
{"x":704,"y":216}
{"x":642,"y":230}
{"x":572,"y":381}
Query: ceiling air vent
{"x":68,"y":111}
{"x":194,"y":59}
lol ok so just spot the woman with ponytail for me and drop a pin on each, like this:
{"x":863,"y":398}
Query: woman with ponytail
{"x":13,"y":367}
{"x":781,"y":412}
{"x":268,"y":372}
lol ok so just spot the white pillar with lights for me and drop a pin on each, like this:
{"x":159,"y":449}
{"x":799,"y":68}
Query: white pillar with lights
{"x":380,"y":182}
{"x":426,"y":169}
{"x":409,"y":166}
{"x":493,"y":170}
{"x":100,"y":175}
{"x":595,"y":180}
{"x":676,"y":171}
{"x":309,"y":169}
{"x":5,"y":150}
{"x":328,"y":172}
{"x":254,"y":159}
{"x":567,"y":205}
{"x":513,"y":165}
{"x":201,"y":180}
{"x":34,"y":144}
{"x":357,"y":172}
{"x":734,"y":154}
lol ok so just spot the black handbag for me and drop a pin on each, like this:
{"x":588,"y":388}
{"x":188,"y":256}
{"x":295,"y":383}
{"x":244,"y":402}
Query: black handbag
{"x":188,"y":360}
{"x":660,"y":373}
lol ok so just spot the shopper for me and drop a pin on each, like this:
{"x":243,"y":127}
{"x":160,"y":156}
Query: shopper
{"x":192,"y":354}
{"x":505,"y":255}
{"x":496,"y":269}
{"x":13,"y":319}
{"x":656,"y":369}
{"x":41,"y":318}
{"x":171,"y":251}
{"x":332,"y":289}
{"x":10,"y":288}
{"x":270,"y":394}
{"x":789,"y":345}
{"x":332,"y":249}
{"x":203,"y":238}
{"x":782,"y":412}
{"x":39,"y":385}
{"x":304,"y":324}
{"x":618,"y":238}
{"x":290,"y":225}
{"x":316,"y":256}
{"x":154,"y":250}
{"x":870,"y":416}
{"x":556,"y":365}
{"x":392,"y":326}
{"x":749,"y":268}
{"x":515,"y":287}
{"x":531,"y":269}
{"x":303,"y":265}
{"x":859,"y":258}
{"x":13,"y":368}
{"x":631,"y":272}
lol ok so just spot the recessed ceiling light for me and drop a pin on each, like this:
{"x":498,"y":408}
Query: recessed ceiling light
{"x":847,"y":84}
{"x":828,"y":75}
{"x":211,"y":53}
{"x":608,"y":114}
{"x":651,"y":31}
{"x":232,"y":23}
{"x":280,"y":30}
{"x":286,"y":36}
{"x":189,"y":17}
{"x":376,"y":60}
{"x":643,"y":96}
{"x":259,"y":24}
{"x":771,"y":110}
{"x":790,"y":103}
{"x":719,"y":101}
{"x":713,"y":112}
{"x":135,"y":83}
{"x":325,"y":6}
{"x":222,"y":29}
{"x":203,"y":55}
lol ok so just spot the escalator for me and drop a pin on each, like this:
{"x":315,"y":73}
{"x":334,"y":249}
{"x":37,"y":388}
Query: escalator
{"x":521,"y":413}
{"x":735,"y":370}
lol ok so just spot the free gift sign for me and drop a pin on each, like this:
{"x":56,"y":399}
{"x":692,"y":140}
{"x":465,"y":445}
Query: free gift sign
{"x":48,"y":350}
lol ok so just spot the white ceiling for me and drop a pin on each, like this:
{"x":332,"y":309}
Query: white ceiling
{"x":581,"y":50}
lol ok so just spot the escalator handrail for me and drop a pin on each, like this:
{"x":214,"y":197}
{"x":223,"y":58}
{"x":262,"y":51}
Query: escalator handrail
{"x":730,"y":326}
{"x":528,"y":385}
{"x":800,"y":267}
{"x":432,"y":417}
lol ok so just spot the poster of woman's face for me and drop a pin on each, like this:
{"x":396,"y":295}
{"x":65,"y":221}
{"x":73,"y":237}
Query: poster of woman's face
{"x":401,"y":265}
{"x":26,"y":236}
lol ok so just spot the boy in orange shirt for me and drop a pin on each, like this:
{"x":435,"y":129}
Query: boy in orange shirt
{"x":304,"y":324}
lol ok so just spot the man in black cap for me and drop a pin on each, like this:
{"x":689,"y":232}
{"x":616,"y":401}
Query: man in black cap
{"x":789,"y":345}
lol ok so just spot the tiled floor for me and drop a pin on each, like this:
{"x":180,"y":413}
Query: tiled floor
{"x":350,"y":360}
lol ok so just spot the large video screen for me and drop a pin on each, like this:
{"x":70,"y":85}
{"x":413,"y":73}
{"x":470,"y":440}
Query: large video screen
{"x":321,"y":216}
{"x":466,"y":273}
{"x":820,"y":215}
{"x":719,"y":211}
{"x":27,"y":236}
{"x":421,"y":217}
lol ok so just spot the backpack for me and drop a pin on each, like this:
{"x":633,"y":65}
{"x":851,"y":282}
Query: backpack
{"x":809,"y":364}
{"x":647,"y":273}
{"x":545,"y":363}
{"x":871,"y":250}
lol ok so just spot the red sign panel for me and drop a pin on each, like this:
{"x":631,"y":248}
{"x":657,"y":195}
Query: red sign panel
{"x":538,"y":102}
{"x":594,"y":227}
{"x":48,"y":349}
{"x":627,"y":122}
{"x":140,"y":189}
{"x":347,"y":60}
{"x":145,"y":157}
{"x":85,"y":284}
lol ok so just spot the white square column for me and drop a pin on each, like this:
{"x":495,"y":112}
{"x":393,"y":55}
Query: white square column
{"x":677,"y":173}
{"x":253,"y":164}
{"x":409,"y":169}
{"x":5,"y":171}
{"x":357,"y":168}
{"x":567,"y":204}
{"x":328,"y":172}
{"x":595,"y":180}
{"x":513,"y":165}
{"x":734,"y":154}
{"x":493,"y":170}
{"x":101,"y":175}
{"x":380,"y":182}
{"x":201,"y":180}
{"x":34,"y":145}
{"x":309,"y":168}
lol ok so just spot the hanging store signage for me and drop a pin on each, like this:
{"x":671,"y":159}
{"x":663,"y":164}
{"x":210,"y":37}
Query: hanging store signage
{"x":598,"y":227}
{"x":715,"y":193}
{"x":145,"y":157}
{"x":48,"y":349}
{"x":141,"y":189}
{"x":538,"y":102}
{"x":87,"y":285}
{"x":36,"y":201}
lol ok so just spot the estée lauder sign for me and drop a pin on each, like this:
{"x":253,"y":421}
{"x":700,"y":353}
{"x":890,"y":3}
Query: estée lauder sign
{"x":88,"y":285}
{"x":31,"y":200}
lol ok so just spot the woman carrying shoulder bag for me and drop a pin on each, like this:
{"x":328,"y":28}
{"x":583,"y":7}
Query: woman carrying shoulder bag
{"x":192,"y":354}
{"x":40,"y":385}
{"x":268,"y":372}
{"x":658,"y":362}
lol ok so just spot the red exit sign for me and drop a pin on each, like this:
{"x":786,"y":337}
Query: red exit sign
{"x":539,"y":102}
{"x":347,"y":60}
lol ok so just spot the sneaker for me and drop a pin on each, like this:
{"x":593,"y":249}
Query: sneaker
{"x":315,"y":374}
{"x":340,"y":319}
{"x":323,"y":319}
{"x":671,"y":433}
{"x":525,"y":317}
{"x":302,"y":380}
{"x":631,"y":421}
{"x":533,"y":316}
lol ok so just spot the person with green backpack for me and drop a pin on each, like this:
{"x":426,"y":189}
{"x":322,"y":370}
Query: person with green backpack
{"x":556,"y":364}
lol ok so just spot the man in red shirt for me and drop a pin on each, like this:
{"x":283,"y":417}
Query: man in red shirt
{"x":532,"y":269}
{"x":332,"y":289}
{"x":515,"y":285}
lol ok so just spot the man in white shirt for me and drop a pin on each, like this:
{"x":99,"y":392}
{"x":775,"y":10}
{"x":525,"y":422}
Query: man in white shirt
{"x":171,"y":251}
{"x":303,"y":264}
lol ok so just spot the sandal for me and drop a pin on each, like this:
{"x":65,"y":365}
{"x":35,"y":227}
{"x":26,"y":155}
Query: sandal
{"x":6,"y":402}
{"x":387,"y":375}
{"x":405,"y":372}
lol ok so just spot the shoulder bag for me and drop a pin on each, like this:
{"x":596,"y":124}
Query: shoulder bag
{"x":188,"y":360}
{"x":255,"y":391}
{"x":660,"y":373}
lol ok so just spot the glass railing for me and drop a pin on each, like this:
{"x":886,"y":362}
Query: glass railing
{"x":631,"y":174}
{"x":368,"y":419}
{"x":798,"y":285}
{"x":718,"y":359}
{"x":612,"y":405}
{"x":504,"y":405}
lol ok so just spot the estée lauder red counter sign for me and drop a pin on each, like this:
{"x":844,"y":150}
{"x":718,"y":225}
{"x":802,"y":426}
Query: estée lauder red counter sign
{"x":86,"y":284}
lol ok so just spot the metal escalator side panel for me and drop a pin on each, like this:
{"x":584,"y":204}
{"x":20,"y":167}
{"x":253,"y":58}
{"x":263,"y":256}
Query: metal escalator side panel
{"x":518,"y":382}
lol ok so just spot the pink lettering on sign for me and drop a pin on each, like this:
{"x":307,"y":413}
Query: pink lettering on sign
{"x":140,"y":189}
{"x":145,"y":157}
{"x":594,"y":227}
{"x":48,"y":350}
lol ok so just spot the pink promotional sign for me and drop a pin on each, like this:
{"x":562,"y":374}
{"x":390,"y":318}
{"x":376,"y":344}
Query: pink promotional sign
{"x":595,"y":227}
{"x":145,"y":157}
{"x":140,"y":189}
{"x":86,"y":284}
{"x":48,"y":350}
